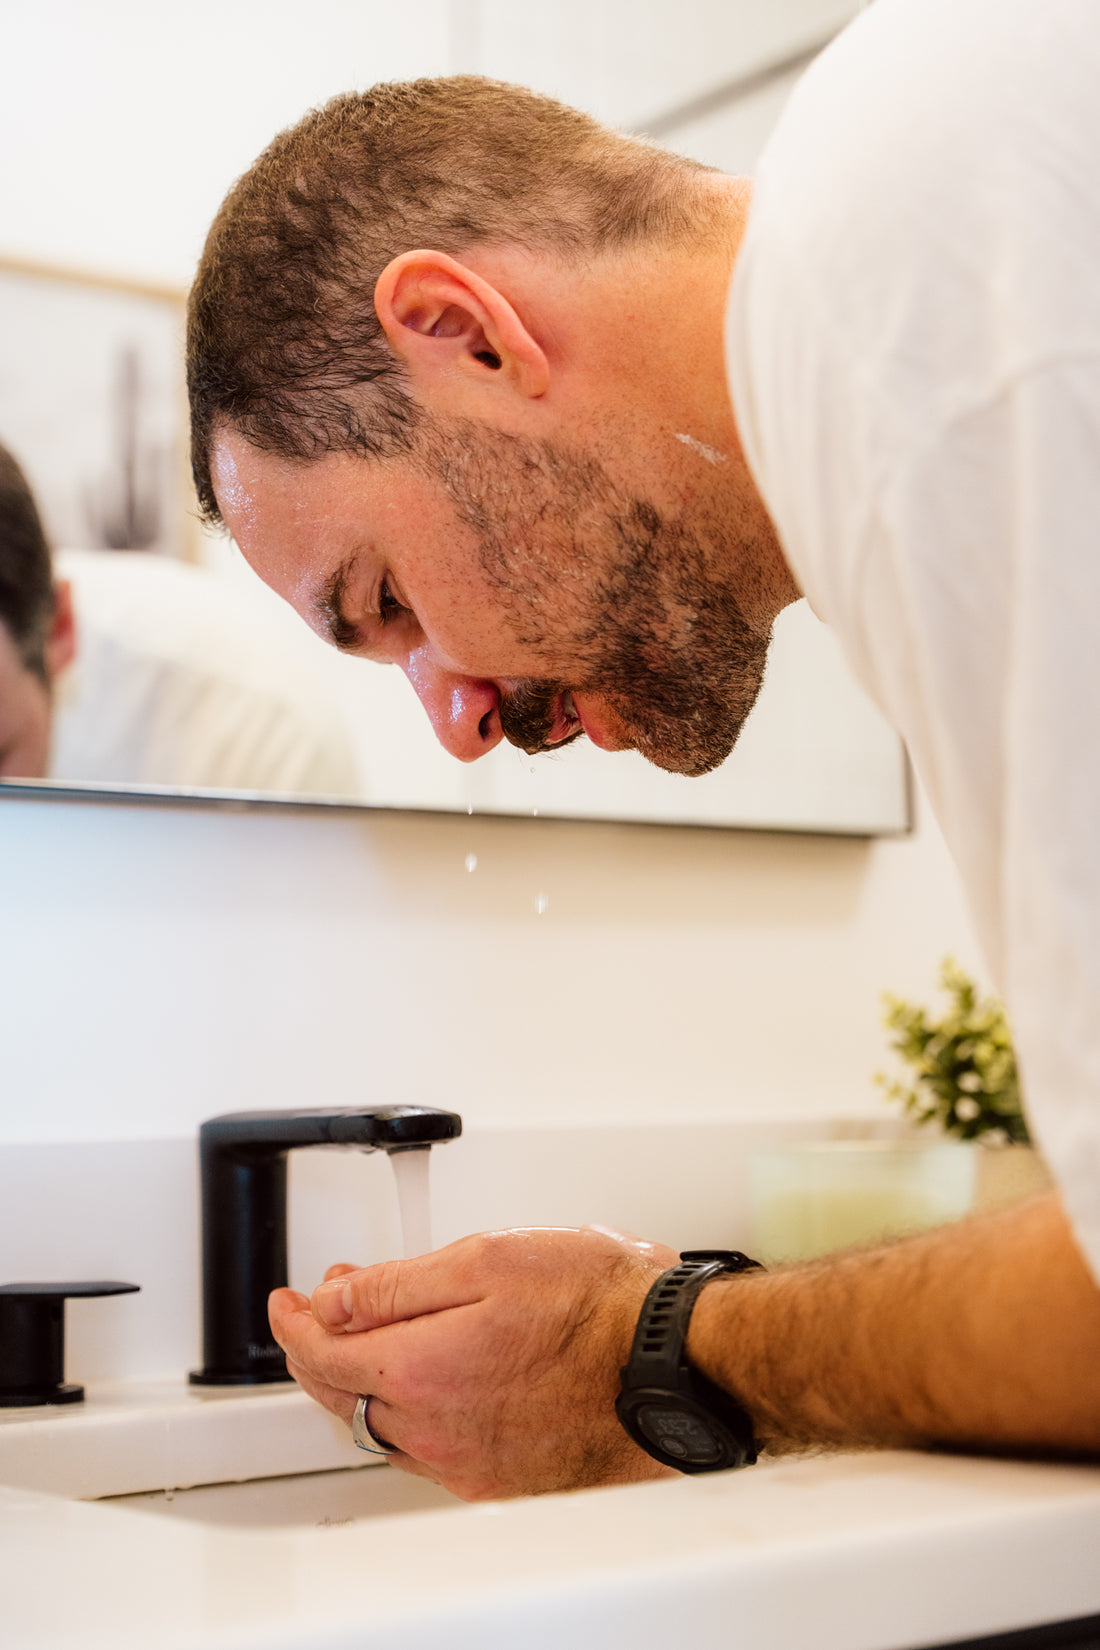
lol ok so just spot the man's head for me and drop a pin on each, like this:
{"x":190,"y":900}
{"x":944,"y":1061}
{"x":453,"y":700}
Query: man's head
{"x":36,"y":628}
{"x":455,"y":358}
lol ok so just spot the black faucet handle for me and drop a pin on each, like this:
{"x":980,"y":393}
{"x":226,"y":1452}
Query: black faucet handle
{"x":32,"y":1340}
{"x":84,"y":1289}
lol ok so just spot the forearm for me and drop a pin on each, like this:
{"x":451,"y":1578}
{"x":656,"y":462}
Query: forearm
{"x":985,"y":1334}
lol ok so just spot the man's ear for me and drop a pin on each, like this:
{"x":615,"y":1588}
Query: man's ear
{"x":61,"y":640}
{"x":456,"y":334}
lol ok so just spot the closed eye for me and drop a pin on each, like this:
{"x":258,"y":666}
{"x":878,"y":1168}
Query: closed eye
{"x":388,"y":605}
{"x":336,"y":623}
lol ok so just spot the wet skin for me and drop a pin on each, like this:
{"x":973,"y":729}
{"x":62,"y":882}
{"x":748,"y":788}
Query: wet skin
{"x":413,"y":594}
{"x":572,"y":541}
{"x":523,"y":592}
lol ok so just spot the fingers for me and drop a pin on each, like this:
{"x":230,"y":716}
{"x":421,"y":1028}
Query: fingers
{"x":382,"y":1419}
{"x":338,"y":1400}
{"x":345,"y":1365}
{"x":392,"y":1292}
{"x":291,"y":1303}
{"x":334,"y":1399}
{"x":340,"y":1270}
{"x":465,"y":1272}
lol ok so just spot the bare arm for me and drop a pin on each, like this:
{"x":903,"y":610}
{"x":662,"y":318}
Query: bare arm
{"x":493,"y":1364}
{"x":985,"y":1334}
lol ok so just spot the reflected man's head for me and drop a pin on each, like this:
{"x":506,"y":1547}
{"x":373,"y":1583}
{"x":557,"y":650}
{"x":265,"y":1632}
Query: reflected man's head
{"x":36,"y":631}
{"x":457,"y":388}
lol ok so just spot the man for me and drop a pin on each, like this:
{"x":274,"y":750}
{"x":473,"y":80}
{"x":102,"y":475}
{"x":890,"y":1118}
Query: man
{"x":459,"y":390}
{"x":128,"y":669}
{"x":36,"y":628}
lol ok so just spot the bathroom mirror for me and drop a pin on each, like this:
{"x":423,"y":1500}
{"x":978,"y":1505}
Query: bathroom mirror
{"x":172,"y":630}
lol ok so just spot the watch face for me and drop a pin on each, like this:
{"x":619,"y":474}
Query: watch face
{"x":682,"y":1435}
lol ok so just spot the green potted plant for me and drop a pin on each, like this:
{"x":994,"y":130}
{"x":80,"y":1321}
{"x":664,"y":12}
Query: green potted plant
{"x":963,"y":1078}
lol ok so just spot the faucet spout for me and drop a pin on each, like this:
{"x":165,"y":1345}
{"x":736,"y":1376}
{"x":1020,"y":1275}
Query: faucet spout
{"x":243,"y":1173}
{"x":372,"y":1128}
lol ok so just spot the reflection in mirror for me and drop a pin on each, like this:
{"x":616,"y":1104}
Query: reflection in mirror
{"x":128,"y":661}
{"x":163,"y":663}
{"x":169,"y":665}
{"x":178,"y":681}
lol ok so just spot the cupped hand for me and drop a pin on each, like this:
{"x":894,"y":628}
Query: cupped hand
{"x":492,"y":1365}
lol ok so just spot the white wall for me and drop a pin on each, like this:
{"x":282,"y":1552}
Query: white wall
{"x":161,"y":965}
{"x":123,"y":123}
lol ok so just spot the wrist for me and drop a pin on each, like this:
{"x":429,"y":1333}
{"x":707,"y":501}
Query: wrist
{"x":672,"y":1409}
{"x":712,"y":1330}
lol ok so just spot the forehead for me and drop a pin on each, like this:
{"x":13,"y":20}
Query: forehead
{"x":299,"y":524}
{"x":293,"y":521}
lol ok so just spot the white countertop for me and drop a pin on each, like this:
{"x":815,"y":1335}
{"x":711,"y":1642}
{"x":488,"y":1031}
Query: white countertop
{"x":856,"y":1552}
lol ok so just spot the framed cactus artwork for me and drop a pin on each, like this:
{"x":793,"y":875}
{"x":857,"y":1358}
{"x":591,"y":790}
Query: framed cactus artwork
{"x":92,"y":405}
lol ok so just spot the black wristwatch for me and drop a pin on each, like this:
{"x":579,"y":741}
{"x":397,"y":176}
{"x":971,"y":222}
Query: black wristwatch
{"x":672,"y":1410}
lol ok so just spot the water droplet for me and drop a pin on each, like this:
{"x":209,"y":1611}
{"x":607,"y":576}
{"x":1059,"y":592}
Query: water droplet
{"x":469,"y":807}
{"x":541,"y":903}
{"x":471,"y":862}
{"x":534,"y":813}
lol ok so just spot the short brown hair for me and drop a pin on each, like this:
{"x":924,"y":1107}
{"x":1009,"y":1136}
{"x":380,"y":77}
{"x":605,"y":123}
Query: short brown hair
{"x":283,"y":339}
{"x":26,"y":570}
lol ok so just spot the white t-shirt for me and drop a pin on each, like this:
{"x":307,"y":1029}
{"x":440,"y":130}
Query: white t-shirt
{"x":914,"y":353}
{"x":178,"y":680}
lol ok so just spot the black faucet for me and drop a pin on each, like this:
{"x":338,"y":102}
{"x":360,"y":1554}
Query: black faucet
{"x":242,"y":1158}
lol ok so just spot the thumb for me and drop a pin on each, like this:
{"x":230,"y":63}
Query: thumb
{"x":393,"y":1291}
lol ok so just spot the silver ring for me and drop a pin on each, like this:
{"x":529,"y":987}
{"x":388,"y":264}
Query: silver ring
{"x":361,"y":1433}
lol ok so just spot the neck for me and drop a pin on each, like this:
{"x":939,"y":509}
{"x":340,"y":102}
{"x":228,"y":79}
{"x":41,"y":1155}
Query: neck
{"x":696,"y":405}
{"x":654,"y":370}
{"x":635,"y":347}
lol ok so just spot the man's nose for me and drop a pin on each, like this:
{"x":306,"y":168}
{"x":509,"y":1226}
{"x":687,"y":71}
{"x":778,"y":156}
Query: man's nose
{"x":463,"y":710}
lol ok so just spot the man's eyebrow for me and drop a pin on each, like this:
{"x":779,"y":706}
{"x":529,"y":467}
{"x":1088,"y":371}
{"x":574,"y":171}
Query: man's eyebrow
{"x":328,"y":606}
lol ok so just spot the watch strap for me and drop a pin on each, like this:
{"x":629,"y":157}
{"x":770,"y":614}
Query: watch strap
{"x":657,"y":1355}
{"x":675,"y":1412}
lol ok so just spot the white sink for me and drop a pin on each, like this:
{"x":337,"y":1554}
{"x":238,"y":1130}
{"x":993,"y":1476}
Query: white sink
{"x":309,"y":1500}
{"x":260,"y":1456}
{"x":837,"y":1549}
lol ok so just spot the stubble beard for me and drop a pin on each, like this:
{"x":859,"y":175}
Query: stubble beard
{"x":633,"y":598}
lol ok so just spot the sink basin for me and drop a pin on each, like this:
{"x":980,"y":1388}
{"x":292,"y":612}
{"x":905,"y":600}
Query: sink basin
{"x":138,"y":1439}
{"x":322,"y":1500}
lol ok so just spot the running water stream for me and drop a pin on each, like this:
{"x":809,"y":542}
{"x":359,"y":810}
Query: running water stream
{"x":410,"y":1170}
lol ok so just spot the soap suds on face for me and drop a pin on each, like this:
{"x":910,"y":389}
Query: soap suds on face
{"x":711,"y":454}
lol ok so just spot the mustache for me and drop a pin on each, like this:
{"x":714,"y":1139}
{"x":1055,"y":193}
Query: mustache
{"x":527,"y":716}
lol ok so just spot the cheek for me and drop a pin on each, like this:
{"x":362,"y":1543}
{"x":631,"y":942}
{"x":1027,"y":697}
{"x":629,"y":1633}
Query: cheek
{"x":25,"y":719}
{"x":460,"y":626}
{"x":518,"y":619}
